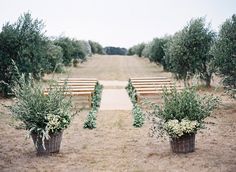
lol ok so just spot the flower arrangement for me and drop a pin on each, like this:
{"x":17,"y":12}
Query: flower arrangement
{"x":176,"y":129}
{"x":181,"y":113}
{"x":39,"y":113}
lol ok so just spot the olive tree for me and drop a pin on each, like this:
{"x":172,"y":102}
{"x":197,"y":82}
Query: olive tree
{"x":157,"y":53}
{"x":224,"y":52}
{"x":78,"y":53}
{"x":147,"y":50}
{"x":138,"y":49}
{"x":188,"y":52}
{"x":96,"y":47}
{"x":24,"y":43}
{"x":86,"y":48}
{"x":67,"y":49}
{"x":54,"y":58}
{"x":130,"y":52}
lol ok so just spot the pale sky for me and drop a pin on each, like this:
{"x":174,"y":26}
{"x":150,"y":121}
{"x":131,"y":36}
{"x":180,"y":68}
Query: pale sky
{"x":117,"y":22}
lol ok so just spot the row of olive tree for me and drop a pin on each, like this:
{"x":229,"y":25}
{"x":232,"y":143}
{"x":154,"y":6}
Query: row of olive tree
{"x":73,"y":50}
{"x":196,"y":50}
{"x":115,"y":51}
{"x":96,"y":48}
{"x":24,"y":45}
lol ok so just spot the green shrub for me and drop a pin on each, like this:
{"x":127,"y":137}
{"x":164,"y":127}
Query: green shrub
{"x":96,"y":100}
{"x":138,"y":116}
{"x":178,"y":106}
{"x":137,"y":112}
{"x":39,"y":113}
{"x":90,"y":122}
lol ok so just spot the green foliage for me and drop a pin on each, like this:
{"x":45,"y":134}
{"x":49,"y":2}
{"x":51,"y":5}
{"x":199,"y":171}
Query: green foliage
{"x":138,"y":49}
{"x":25,"y":43}
{"x":55,"y":58}
{"x":157,"y":53}
{"x":131,"y":92}
{"x":147,"y":49}
{"x":90,"y":122}
{"x":78,"y":50}
{"x":130,"y":52}
{"x":67,"y":48}
{"x":86,"y":48}
{"x":96,"y":100}
{"x":39,"y":113}
{"x":96,"y":48}
{"x":138,"y":116}
{"x":73,"y":50}
{"x":185,"y":105}
{"x":188,"y":52}
{"x":224,"y":51}
{"x":137,"y":112}
{"x":115,"y":51}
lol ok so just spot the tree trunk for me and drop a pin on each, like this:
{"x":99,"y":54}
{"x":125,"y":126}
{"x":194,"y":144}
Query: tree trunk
{"x":208,"y":80}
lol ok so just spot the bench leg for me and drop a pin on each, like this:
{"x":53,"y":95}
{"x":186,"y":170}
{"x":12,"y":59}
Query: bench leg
{"x":90,"y":100}
{"x":138,"y":98}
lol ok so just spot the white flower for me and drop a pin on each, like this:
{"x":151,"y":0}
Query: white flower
{"x":53,"y":122}
{"x":176,"y":129}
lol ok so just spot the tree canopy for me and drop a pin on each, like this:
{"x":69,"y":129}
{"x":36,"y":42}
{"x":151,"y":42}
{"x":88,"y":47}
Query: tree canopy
{"x":224,"y":52}
{"x":188,"y":53}
{"x":24,"y":43}
{"x":115,"y":51}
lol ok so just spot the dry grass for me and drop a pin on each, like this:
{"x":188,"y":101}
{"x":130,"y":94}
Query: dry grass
{"x":115,"y":145}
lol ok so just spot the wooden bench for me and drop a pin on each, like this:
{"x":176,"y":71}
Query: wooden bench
{"x":88,"y":95}
{"x":151,"y":81}
{"x":73,"y":84}
{"x":155,"y":89}
{"x":78,"y":79}
{"x":141,"y":93}
{"x":148,"y":78}
{"x":152,"y":86}
{"x":76,"y":87}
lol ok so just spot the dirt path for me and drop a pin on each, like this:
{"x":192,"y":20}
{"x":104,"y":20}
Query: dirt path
{"x":115,"y":145}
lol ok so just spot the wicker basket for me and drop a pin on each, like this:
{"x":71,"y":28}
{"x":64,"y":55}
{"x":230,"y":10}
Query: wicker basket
{"x":183,"y":144}
{"x":52,"y":145}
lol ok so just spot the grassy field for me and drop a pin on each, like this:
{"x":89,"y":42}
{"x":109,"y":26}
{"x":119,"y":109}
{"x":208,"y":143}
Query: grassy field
{"x":115,"y":145}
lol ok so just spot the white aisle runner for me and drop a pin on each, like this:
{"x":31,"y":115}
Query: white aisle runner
{"x":115,"y":99}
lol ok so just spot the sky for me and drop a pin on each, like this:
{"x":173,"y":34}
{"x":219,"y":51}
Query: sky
{"x":119,"y":23}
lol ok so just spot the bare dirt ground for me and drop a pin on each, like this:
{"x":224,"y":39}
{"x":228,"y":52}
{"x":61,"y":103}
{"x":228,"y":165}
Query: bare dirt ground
{"x":115,"y":145}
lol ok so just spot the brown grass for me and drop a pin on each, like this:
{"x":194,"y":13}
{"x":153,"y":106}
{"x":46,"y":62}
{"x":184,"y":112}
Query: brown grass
{"x":115,"y":145}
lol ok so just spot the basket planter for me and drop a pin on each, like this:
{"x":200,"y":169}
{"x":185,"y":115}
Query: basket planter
{"x":52,"y":145}
{"x":183,"y":144}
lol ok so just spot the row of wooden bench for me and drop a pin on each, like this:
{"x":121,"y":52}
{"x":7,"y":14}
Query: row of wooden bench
{"x":152,"y":86}
{"x":84,"y":87}
{"x":144,"y":86}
